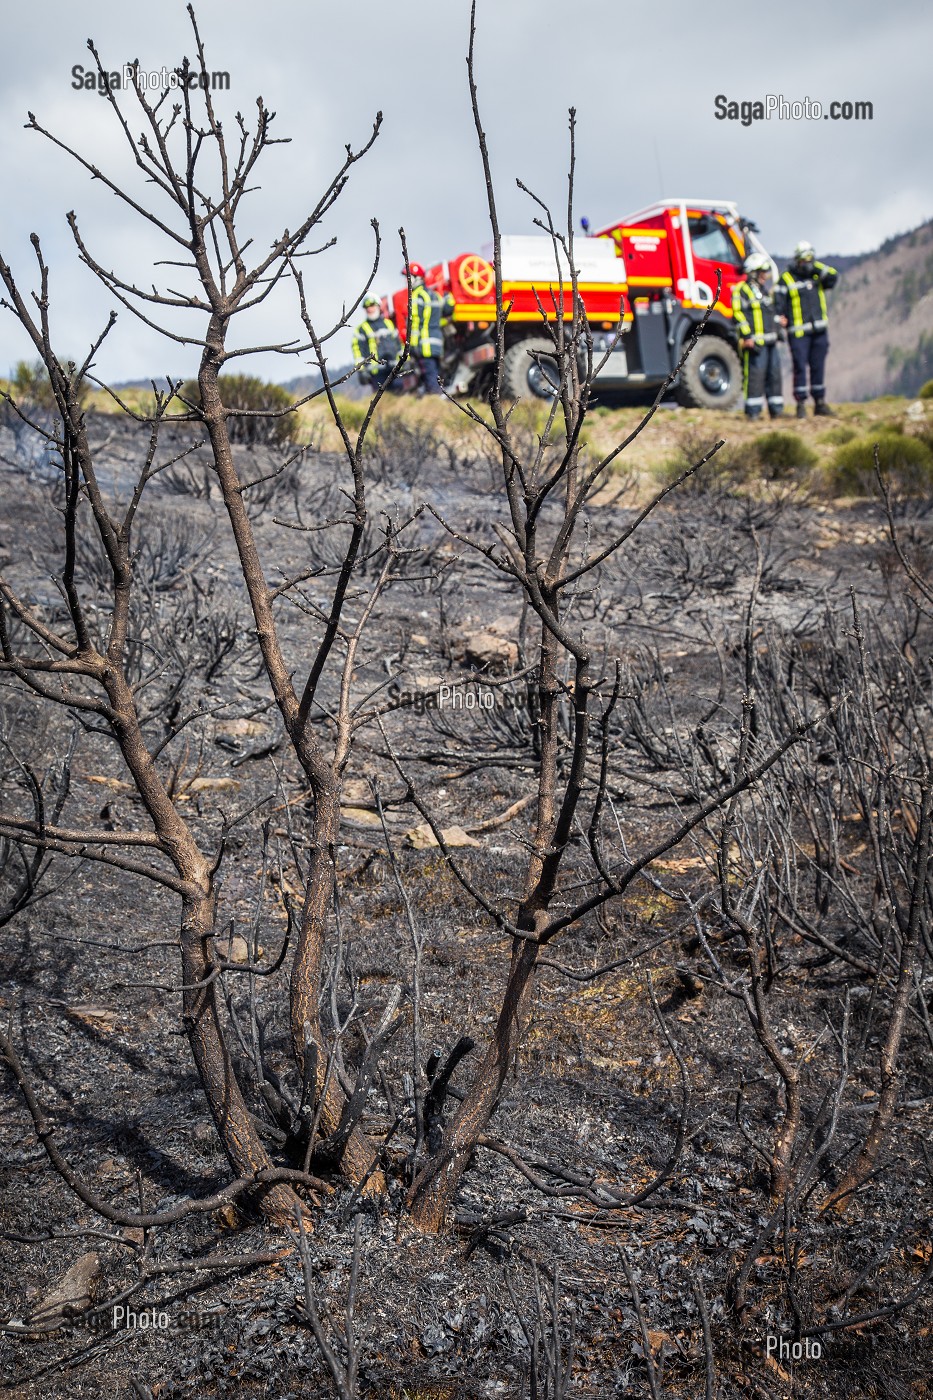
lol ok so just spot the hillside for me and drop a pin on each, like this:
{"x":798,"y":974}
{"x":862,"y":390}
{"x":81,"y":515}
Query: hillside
{"x":882,"y":320}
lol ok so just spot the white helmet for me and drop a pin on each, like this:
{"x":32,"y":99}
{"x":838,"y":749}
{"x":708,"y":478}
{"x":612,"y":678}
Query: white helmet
{"x":757,"y":262}
{"x":804,"y":252}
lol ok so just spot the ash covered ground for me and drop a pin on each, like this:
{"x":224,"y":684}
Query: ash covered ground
{"x":91,"y":973}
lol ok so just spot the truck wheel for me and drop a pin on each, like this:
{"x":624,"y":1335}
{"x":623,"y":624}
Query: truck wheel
{"x":712,"y":376}
{"x":527,"y":374}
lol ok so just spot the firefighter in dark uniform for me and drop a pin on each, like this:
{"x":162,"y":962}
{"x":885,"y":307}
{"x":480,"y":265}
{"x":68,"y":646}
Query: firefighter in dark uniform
{"x":376,"y":345}
{"x":755,"y":313}
{"x":429,"y":313}
{"x":802,"y":300}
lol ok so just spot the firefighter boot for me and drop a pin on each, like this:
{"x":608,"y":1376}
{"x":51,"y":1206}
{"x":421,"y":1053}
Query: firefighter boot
{"x":822,"y":409}
{"x":801,"y":410}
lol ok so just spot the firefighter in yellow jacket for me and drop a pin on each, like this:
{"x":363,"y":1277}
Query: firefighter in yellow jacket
{"x":376,"y":345}
{"x":802,"y":299}
{"x":429,"y":313}
{"x":754,"y":311}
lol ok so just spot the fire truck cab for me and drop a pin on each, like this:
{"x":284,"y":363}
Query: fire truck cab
{"x":645,"y":282}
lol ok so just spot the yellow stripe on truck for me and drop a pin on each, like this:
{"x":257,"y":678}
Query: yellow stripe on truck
{"x":547,"y":287}
{"x":486,"y":311}
{"x":555,"y":286}
{"x":720,"y":306}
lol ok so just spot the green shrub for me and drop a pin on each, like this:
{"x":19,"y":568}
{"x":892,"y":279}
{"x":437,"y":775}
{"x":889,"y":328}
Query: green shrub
{"x":244,"y":392}
{"x":782,"y":453}
{"x":906,"y":461}
{"x":839,"y":435}
{"x":31,"y":387}
{"x":773,"y":456}
{"x":926,"y":390}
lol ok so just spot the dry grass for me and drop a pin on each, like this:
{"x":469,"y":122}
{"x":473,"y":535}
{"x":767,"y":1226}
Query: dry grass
{"x":646,"y":462}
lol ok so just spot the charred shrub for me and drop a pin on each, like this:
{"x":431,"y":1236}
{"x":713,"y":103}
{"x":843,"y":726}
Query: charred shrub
{"x":189,"y":478}
{"x":399,"y":450}
{"x":27,"y":411}
{"x":169,"y":551}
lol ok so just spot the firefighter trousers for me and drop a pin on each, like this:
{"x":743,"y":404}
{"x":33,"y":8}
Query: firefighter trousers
{"x":808,"y":352}
{"x":378,"y":377}
{"x":761,"y":378}
{"x":429,"y":367}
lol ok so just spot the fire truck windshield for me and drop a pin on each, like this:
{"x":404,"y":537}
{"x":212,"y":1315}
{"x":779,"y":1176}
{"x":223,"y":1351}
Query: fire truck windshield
{"x":711,"y":241}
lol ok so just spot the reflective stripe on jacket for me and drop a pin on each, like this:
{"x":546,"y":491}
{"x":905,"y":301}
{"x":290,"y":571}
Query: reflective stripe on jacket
{"x":754,"y":310}
{"x":803,"y":297}
{"x":375,"y":343}
{"x":429,"y":312}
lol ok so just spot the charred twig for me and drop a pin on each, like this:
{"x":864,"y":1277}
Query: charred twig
{"x":344,"y":1376}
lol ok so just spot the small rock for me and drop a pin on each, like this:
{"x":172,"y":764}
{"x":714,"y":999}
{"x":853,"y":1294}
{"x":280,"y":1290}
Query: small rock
{"x":73,"y":1292}
{"x":98,"y":1017}
{"x":213,"y":785}
{"x":360,"y":814}
{"x":204,"y":1133}
{"x":241,"y":728}
{"x":236,"y":949}
{"x":917,"y":411}
{"x":488,"y":651}
{"x":356,"y":792}
{"x":421,"y":837}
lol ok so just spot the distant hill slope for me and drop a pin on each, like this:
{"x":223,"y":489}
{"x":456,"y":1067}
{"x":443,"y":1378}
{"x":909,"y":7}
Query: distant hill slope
{"x":881,"y":319}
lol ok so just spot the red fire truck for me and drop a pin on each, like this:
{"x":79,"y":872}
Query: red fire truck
{"x":654,"y":275}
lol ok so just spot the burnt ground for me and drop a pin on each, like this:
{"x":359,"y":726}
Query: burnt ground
{"x":90,"y":984}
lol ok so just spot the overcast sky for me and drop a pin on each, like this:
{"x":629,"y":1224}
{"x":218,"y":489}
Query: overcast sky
{"x":643,"y":79}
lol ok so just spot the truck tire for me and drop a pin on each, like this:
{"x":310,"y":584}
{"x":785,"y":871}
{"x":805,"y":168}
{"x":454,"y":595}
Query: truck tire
{"x":712,"y":376}
{"x":524,"y":376}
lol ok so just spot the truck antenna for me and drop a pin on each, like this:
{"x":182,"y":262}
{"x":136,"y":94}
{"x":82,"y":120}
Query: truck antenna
{"x":657,"y":161}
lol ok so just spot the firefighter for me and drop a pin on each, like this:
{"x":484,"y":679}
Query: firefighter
{"x":429,"y":313}
{"x":376,"y":345}
{"x":755,"y":313}
{"x":802,"y":300}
